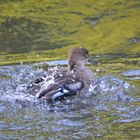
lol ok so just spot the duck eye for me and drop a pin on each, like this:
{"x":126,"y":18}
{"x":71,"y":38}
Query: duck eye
{"x":87,"y":53}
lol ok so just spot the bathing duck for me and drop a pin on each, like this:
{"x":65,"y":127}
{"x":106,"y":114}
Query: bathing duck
{"x":61,"y":83}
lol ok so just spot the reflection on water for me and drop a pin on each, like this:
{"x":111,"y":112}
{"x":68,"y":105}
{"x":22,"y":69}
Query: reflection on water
{"x":22,"y":35}
{"x":29,"y":29}
{"x":35,"y":31}
{"x":105,"y":111}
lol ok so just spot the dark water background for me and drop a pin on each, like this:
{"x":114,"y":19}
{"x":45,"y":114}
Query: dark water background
{"x":44,"y":30}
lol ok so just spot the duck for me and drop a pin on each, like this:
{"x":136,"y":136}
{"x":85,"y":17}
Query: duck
{"x":75,"y":79}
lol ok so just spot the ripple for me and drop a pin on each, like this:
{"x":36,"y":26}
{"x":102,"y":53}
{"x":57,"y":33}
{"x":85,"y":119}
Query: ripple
{"x":110,"y":95}
{"x":132,"y":73}
{"x":134,"y":40}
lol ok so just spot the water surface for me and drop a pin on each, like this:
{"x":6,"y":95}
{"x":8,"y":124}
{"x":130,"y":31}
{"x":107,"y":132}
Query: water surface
{"x":110,"y":109}
{"x":44,"y":30}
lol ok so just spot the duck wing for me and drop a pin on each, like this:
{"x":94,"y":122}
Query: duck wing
{"x":65,"y":84}
{"x":61,"y":90}
{"x":35,"y":86}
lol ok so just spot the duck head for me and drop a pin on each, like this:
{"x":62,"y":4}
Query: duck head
{"x":78,"y":57}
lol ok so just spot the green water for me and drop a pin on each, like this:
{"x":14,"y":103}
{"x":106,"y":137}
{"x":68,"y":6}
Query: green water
{"x":44,"y":30}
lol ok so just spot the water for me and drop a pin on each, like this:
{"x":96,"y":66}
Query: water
{"x":110,"y":108}
{"x":33,"y":33}
{"x":37,"y":31}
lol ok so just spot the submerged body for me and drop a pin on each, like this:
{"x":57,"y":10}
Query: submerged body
{"x":75,"y":79}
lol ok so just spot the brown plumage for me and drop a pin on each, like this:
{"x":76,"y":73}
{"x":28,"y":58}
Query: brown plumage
{"x":75,"y":79}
